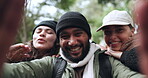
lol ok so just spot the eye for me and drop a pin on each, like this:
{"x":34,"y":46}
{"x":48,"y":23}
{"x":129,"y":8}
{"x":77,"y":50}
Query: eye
{"x":78,"y":34}
{"x":50,"y":32}
{"x":64,"y":36}
{"x":120,"y":30}
{"x":38,"y":31}
{"x":106,"y":32}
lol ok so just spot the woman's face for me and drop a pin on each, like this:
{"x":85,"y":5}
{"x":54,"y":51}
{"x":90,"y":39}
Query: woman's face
{"x":44,"y":38}
{"x":115,"y":36}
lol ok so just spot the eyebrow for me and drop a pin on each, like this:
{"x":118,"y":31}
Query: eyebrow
{"x":45,"y":29}
{"x":63,"y":33}
{"x":76,"y":30}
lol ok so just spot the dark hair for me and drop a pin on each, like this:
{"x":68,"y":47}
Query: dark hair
{"x":130,"y":26}
{"x":35,"y":53}
{"x":48,"y":23}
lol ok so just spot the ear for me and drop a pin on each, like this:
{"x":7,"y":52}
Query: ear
{"x":133,"y":30}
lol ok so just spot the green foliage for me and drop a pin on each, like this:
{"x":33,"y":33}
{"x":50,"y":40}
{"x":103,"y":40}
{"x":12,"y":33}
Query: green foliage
{"x":64,"y":4}
{"x":25,"y":32}
{"x":96,"y":36}
{"x":115,"y":3}
{"x":104,"y":1}
{"x":93,"y":10}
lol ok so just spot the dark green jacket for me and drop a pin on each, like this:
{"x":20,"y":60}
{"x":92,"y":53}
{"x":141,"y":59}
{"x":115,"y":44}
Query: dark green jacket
{"x":42,"y":68}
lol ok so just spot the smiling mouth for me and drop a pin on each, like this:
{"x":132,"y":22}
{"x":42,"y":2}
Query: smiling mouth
{"x":74,"y":50}
{"x":115,"y":42}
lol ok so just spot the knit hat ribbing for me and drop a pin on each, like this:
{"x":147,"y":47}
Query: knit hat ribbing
{"x":73,"y":19}
{"x":49,"y":23}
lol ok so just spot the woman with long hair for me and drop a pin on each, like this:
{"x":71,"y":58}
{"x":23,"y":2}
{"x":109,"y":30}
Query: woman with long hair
{"x":43,"y":43}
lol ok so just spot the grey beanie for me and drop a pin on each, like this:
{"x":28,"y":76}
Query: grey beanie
{"x":49,"y":23}
{"x":73,"y":19}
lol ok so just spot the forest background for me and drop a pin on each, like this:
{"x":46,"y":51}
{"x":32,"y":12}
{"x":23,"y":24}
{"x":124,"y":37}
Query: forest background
{"x":94,"y":10}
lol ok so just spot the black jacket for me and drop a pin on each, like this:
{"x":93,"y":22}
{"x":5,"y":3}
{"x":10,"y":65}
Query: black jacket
{"x":130,"y":59}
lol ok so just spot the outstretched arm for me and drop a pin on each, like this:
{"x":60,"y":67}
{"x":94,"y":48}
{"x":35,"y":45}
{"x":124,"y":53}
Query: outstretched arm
{"x":39,"y":68}
{"x":141,"y":16}
{"x":10,"y":18}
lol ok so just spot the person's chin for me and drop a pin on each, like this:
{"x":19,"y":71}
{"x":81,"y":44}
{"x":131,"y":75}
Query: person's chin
{"x":41,"y":47}
{"x":115,"y":49}
{"x":75,"y":56}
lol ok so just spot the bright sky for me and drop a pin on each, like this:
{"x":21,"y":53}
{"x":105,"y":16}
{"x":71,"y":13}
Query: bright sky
{"x":32,"y":4}
{"x":52,"y":9}
{"x":46,"y":9}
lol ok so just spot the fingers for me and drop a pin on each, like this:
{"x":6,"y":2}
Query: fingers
{"x":16,"y":47}
{"x":19,"y":47}
{"x":132,"y":42}
{"x":101,"y":47}
{"x":58,"y":55}
{"x":127,"y":44}
{"x":21,"y":57}
{"x":17,"y":57}
{"x":18,"y":52}
{"x":108,"y":53}
{"x":116,"y":54}
{"x":22,"y":50}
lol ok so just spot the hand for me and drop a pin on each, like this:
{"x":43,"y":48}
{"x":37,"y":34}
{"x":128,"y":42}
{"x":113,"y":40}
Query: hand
{"x":132,"y":42}
{"x":102,"y":47}
{"x":116,"y":54}
{"x":58,"y":55}
{"x":18,"y":52}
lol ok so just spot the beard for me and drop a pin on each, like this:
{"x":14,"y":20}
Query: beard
{"x":83,"y":55}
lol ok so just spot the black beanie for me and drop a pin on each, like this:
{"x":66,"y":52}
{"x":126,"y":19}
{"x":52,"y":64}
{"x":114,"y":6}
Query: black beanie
{"x":50,"y":23}
{"x":73,"y":19}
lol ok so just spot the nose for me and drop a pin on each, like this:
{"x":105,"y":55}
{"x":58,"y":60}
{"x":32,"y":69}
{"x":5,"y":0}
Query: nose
{"x":42,"y":34}
{"x":113,"y":36}
{"x":72,"y":41}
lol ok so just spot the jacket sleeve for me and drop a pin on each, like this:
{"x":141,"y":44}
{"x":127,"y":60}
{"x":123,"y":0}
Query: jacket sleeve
{"x":39,"y":68}
{"x":121,"y":71}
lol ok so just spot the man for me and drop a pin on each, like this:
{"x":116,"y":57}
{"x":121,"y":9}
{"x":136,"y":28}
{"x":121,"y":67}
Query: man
{"x":73,"y":32}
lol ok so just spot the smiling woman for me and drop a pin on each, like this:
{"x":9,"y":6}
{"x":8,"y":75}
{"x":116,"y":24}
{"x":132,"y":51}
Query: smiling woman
{"x":11,"y":13}
{"x":119,"y":36}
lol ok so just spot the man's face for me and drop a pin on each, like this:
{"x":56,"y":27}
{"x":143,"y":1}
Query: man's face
{"x":74,"y":43}
{"x":115,"y":36}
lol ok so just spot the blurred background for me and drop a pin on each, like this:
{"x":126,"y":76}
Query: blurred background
{"x":93,"y":10}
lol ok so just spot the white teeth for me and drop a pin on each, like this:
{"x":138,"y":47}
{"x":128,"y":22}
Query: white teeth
{"x":75,"y":49}
{"x":114,"y":42}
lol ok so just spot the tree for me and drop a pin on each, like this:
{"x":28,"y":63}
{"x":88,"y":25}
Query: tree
{"x":25,"y":32}
{"x":93,"y":10}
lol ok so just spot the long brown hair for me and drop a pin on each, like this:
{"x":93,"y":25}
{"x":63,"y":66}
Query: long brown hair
{"x":49,"y":52}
